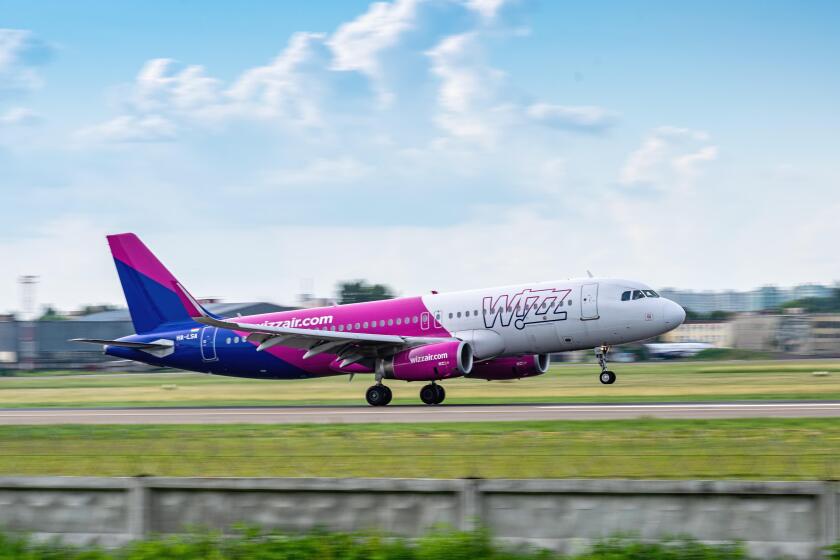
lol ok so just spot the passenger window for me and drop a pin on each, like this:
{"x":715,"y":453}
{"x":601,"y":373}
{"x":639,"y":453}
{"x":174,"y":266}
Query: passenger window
{"x":637,"y":294}
{"x":341,"y":327}
{"x":475,"y":312}
{"x":407,"y":320}
{"x":459,"y":315}
{"x":625,"y":296}
{"x":450,"y":315}
{"x":399,"y":320}
{"x":382,"y":322}
{"x":414,"y":319}
{"x":390,"y":322}
{"x":358,"y":326}
{"x":568,"y":302}
{"x":365,"y":324}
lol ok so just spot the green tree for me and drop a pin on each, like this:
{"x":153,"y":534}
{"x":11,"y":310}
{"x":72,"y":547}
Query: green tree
{"x":357,"y":291}
{"x":51,"y":314}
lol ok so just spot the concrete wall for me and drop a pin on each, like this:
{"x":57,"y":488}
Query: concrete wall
{"x":773,"y":518}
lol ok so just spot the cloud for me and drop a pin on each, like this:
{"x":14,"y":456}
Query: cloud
{"x":322,"y":171}
{"x":358,"y":44}
{"x":21,"y":52}
{"x":20,"y":116}
{"x":486,"y":8}
{"x":585,"y":118}
{"x":160,"y":87}
{"x":127,"y":129}
{"x":670,"y":157}
{"x":467,"y":95}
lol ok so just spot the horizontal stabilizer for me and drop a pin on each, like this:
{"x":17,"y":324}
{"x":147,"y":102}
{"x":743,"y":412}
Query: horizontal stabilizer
{"x":124,"y":344}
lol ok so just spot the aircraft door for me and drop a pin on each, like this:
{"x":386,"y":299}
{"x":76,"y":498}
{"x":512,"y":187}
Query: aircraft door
{"x":208,"y":344}
{"x":589,"y":301}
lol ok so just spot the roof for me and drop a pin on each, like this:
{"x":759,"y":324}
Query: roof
{"x":222,"y":309}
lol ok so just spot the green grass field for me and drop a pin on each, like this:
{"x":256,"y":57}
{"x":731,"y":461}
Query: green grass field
{"x":663,"y":381}
{"x":644,"y":448}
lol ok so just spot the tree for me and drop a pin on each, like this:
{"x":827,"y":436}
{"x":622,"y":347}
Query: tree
{"x":52,"y":314}
{"x":358,"y":291}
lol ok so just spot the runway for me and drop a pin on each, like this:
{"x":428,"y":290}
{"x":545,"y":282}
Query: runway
{"x":418,"y":413}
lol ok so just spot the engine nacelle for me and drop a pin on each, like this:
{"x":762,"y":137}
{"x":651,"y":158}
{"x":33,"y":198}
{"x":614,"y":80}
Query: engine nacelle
{"x":440,"y":360}
{"x":513,"y":367}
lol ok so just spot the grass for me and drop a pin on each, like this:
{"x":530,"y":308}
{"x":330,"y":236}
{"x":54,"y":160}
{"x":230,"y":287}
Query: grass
{"x":662,"y":381}
{"x":646,"y":448}
{"x":453,"y":545}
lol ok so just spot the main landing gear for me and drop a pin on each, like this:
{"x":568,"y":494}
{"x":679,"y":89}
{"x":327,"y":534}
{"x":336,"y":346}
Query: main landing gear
{"x":607,"y":377}
{"x":432,"y":394}
{"x":378,"y":395}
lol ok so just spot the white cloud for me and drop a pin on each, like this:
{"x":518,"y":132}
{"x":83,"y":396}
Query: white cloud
{"x":21,"y":52}
{"x":669,"y":157}
{"x":322,"y":171}
{"x":486,"y":8}
{"x":20,"y":116}
{"x":358,"y":44}
{"x":128,"y":128}
{"x":469,"y":106}
{"x":584,"y":118}
{"x":281,"y":88}
{"x":160,"y":87}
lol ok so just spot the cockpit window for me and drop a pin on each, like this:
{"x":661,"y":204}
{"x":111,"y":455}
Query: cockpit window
{"x":625,"y":296}
{"x":650,"y":293}
{"x":638,"y":294}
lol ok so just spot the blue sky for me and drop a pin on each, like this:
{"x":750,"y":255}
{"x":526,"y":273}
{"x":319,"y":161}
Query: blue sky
{"x":429,"y":144}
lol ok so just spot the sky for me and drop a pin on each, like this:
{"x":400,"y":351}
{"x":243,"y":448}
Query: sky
{"x":266,"y":148}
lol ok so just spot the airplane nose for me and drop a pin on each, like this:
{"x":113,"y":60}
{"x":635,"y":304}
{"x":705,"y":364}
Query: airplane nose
{"x":673,"y":313}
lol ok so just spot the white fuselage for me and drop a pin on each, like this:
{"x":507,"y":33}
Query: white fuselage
{"x":553,"y":316}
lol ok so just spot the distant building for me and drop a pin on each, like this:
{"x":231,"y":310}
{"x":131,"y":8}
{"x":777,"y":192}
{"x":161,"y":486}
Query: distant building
{"x":51,"y":346}
{"x":732,"y":301}
{"x":716,"y":333}
{"x":815,"y":334}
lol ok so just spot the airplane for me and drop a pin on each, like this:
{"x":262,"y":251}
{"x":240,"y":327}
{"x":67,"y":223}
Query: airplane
{"x":492,"y":334}
{"x":667,"y":350}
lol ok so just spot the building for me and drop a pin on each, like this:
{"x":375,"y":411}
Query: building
{"x":815,"y":334}
{"x":50,"y":345}
{"x":733,"y":301}
{"x":716,"y":333}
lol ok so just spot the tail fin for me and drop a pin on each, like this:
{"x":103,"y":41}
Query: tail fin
{"x":147,"y":284}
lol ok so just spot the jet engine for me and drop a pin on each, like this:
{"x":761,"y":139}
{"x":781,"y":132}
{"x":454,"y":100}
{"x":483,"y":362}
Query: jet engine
{"x":440,"y":360}
{"x":513,"y":367}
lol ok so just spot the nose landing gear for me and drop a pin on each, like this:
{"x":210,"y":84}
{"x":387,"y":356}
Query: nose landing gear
{"x":432,"y":394}
{"x":607,"y":377}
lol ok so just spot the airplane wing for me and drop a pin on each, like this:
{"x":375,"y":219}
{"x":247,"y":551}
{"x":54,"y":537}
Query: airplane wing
{"x":352,"y":346}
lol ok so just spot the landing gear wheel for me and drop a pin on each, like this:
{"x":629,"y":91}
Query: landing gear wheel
{"x":429,"y":394}
{"x":378,"y":395}
{"x":388,"y":395}
{"x":441,"y":394}
{"x":607,"y":377}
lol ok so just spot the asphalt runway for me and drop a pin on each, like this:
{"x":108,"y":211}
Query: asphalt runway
{"x":418,"y":413}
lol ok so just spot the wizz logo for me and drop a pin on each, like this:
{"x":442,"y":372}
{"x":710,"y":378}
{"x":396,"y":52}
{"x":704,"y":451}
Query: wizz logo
{"x":527,"y":307}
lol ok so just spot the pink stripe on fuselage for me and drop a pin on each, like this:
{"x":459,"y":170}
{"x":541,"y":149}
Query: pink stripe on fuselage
{"x":129,"y":250}
{"x":371,"y":312}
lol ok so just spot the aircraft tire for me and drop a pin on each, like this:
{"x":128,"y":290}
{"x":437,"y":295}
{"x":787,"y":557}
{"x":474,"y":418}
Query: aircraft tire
{"x":607,"y":377}
{"x":378,"y":395}
{"x":429,"y":394}
{"x":441,"y":394}
{"x":388,"y":395}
